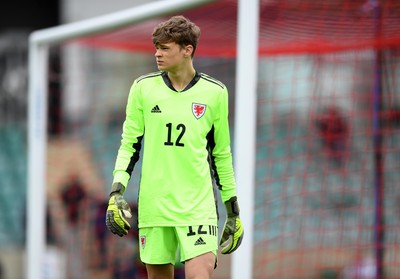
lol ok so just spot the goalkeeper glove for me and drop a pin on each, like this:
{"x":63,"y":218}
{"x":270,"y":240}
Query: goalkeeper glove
{"x":232,"y":233}
{"x":117,"y":210}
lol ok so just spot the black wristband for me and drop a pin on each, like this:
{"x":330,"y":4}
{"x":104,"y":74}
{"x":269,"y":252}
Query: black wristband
{"x":117,"y":188}
{"x":232,"y":207}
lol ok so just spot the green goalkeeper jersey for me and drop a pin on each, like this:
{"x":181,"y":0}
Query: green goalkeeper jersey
{"x":186,"y":142}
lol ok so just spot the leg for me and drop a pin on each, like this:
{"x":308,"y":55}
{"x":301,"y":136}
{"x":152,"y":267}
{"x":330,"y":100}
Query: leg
{"x":160,"y":271}
{"x":200,"y":267}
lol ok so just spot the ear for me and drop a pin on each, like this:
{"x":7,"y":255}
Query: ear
{"x":188,"y":50}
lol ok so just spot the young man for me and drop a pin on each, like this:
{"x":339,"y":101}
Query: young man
{"x":182,"y":117}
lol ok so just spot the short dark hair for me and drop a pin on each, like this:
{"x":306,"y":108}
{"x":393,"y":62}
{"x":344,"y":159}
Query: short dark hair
{"x":177,"y":29}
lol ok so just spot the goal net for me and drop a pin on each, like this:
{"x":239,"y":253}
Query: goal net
{"x":328,"y":140}
{"x":327,"y":144}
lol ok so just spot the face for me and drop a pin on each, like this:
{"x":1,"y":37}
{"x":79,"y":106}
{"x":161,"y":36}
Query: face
{"x":171,"y":56}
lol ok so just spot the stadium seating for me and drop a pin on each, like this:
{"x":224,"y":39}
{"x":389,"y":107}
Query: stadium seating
{"x":13,"y":169}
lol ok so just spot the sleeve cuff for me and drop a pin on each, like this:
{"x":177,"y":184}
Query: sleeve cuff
{"x":227,"y":194}
{"x":121,"y":177}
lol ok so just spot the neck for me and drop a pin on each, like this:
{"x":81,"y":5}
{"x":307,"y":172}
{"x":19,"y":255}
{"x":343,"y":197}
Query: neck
{"x":180,"y":79}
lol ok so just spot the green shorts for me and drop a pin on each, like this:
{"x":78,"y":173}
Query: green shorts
{"x":159,"y":245}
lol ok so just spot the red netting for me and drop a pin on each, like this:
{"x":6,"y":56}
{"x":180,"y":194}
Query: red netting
{"x":288,"y":26}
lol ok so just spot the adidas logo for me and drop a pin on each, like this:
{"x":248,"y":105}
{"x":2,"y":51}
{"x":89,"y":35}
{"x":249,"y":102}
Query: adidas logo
{"x":156,"y":109}
{"x":199,"y":241}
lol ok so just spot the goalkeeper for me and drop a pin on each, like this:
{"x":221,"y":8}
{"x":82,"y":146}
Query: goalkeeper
{"x":181,"y":116}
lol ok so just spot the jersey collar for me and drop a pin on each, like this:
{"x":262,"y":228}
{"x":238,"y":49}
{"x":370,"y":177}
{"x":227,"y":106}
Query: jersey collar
{"x":168,"y":82}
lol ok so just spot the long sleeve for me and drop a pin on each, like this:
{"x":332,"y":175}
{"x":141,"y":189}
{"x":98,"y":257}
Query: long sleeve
{"x":132,"y":135}
{"x":221,"y":152}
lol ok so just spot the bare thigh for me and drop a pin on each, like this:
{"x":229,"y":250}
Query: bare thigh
{"x":160,"y":271}
{"x":200,"y":267}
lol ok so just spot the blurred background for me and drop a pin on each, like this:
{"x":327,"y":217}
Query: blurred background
{"x":327,"y":193}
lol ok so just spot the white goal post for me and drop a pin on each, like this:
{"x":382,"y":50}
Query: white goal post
{"x":245,"y":116}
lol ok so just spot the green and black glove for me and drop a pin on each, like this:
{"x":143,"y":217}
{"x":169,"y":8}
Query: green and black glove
{"x":232,"y":234}
{"x":117,"y":210}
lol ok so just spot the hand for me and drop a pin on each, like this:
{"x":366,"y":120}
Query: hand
{"x":117,"y":210}
{"x":232,"y":233}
